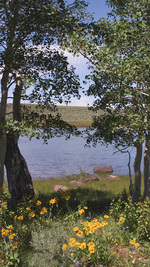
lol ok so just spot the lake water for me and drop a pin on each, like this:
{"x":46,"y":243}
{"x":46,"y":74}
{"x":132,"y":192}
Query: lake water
{"x":62,"y":157}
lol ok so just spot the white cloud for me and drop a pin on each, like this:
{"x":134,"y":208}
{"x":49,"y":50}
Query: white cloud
{"x":79,"y":62}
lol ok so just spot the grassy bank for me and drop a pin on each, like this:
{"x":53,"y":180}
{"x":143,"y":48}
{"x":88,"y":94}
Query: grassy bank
{"x":78,"y":116}
{"x":94,"y":224}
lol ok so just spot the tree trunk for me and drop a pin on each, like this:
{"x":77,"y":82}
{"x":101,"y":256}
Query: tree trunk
{"x":146,"y":165}
{"x":3,"y":104}
{"x":2,"y":158}
{"x":19,"y":179}
{"x":137,"y":169}
{"x":18,"y":176}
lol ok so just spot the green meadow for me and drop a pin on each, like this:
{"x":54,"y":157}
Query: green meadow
{"x":93,"y":223}
{"x":74,"y":115}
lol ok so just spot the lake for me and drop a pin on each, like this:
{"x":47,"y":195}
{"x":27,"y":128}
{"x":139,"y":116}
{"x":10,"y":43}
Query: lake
{"x":62,"y":157}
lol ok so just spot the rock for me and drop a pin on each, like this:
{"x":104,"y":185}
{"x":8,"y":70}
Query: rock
{"x":105,"y":169}
{"x":112,"y":177}
{"x":92,"y":178}
{"x":75,"y":183}
{"x":60,"y":187}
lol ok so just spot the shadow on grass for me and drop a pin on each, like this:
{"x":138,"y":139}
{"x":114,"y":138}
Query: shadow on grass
{"x":97,"y":201}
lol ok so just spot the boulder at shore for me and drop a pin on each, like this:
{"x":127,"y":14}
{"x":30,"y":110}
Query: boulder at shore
{"x":106,"y":169}
{"x":60,"y":187}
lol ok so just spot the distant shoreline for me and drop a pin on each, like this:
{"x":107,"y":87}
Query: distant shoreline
{"x":78,"y":116}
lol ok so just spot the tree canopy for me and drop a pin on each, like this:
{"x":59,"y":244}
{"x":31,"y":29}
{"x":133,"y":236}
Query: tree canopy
{"x":31,"y":33}
{"x":118,"y":50}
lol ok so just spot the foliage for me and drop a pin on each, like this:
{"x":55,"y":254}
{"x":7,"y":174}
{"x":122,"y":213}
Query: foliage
{"x":120,"y":72}
{"x":117,"y":49}
{"x":33,"y":59}
{"x":135,"y":216}
{"x":34,"y":68}
{"x":53,"y":230}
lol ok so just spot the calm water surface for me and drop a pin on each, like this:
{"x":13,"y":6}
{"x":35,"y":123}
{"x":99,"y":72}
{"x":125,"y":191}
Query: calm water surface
{"x":64,"y":157}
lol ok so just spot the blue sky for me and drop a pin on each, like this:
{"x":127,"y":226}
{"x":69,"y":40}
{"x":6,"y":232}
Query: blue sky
{"x":100,"y":9}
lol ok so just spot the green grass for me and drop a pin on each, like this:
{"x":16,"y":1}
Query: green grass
{"x":41,"y":238}
{"x":78,"y":116}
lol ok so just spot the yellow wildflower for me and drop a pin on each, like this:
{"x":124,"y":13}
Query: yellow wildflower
{"x":38,"y":203}
{"x":64,"y":246}
{"x":106,"y":216}
{"x":72,"y":239}
{"x":91,"y":244}
{"x":72,"y":244}
{"x":14,"y":244}
{"x":83,"y":245}
{"x":91,"y":231}
{"x":43,"y":211}
{"x":67,"y":197}
{"x":121,"y":219}
{"x":94,"y":221}
{"x":20,"y":218}
{"x":85,"y":208}
{"x":75,"y":229}
{"x":86,"y":232}
{"x":10,"y":227}
{"x":31,"y":214}
{"x":28,"y":209}
{"x":15,"y":217}
{"x":91,"y":249}
{"x":102,"y":224}
{"x":3,"y":232}
{"x":79,"y":233}
{"x":52,"y":201}
{"x":81,"y":211}
{"x":136,"y":245}
{"x":86,"y":223}
{"x":11,"y":236}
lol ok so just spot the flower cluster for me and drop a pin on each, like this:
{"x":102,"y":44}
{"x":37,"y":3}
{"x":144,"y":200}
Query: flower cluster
{"x":86,"y":241}
{"x":43,"y":211}
{"x":81,"y":211}
{"x":94,"y":225}
{"x":8,"y":235}
{"x":134,"y":243}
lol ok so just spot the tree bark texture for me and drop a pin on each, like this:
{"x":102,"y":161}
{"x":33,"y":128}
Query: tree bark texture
{"x":2,"y":159}
{"x":3,"y":104}
{"x":137,"y":169}
{"x":18,"y":176}
{"x":146,"y":165}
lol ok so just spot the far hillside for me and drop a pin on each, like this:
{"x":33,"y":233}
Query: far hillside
{"x":74,"y":115}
